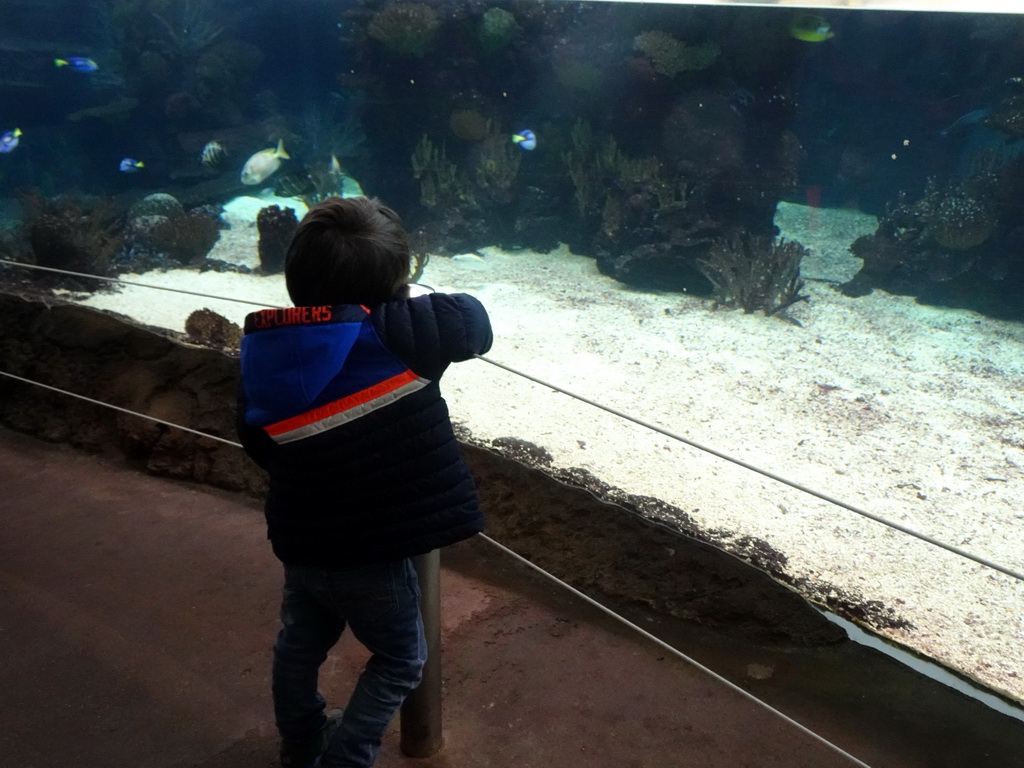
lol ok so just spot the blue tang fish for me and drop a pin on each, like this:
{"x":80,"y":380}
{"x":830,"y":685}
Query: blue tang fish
{"x":525,"y":139}
{"x":9,"y":140}
{"x":971,"y":118}
{"x":130,"y":166}
{"x":77,"y":63}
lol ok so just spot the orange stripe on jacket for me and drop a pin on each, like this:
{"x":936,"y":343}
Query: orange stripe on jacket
{"x":344,"y":404}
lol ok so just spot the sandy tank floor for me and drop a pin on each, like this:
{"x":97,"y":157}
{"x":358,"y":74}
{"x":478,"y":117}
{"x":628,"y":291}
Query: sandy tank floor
{"x":906,"y":411}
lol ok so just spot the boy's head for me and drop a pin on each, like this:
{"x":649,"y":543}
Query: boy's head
{"x":347,"y":251}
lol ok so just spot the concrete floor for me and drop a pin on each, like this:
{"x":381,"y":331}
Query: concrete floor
{"x":137,"y":614}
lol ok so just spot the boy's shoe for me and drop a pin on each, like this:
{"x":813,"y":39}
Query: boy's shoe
{"x":305,"y":753}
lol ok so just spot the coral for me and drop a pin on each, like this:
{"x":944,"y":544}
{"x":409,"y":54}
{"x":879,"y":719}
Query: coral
{"x":600,"y":170}
{"x":611,"y":217}
{"x":670,"y":56}
{"x":405,"y":28}
{"x":704,"y":136}
{"x":206,"y":327}
{"x":190,"y":32}
{"x":940,"y":237}
{"x":497,"y":164}
{"x":68,"y":233}
{"x":624,"y":169}
{"x":469,"y":125}
{"x":227,"y":68}
{"x":276,"y":227}
{"x":579,"y":161}
{"x":157,"y":204}
{"x":496,"y":30}
{"x":185,"y":238}
{"x":333,"y":127}
{"x":754,"y":273}
{"x":1008,"y":117}
{"x":440,"y":182}
{"x":961,"y":222}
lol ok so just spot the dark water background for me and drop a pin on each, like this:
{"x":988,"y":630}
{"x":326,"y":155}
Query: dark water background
{"x":855,"y":120}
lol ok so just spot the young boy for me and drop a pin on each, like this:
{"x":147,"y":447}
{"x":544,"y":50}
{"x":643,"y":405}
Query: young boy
{"x":340,"y":404}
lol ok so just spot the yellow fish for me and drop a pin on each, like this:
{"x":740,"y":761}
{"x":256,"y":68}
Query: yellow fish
{"x":810,"y":28}
{"x":264,"y":164}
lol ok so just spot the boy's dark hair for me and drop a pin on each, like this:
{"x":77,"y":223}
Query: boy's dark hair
{"x":347,"y":251}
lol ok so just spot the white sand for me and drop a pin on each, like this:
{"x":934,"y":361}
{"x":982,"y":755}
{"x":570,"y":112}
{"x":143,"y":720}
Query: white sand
{"x":909,"y":412}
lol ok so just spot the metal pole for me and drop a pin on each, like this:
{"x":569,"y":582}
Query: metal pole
{"x":421,"y":712}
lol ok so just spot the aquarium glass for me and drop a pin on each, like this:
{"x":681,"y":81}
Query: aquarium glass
{"x":791,"y":232}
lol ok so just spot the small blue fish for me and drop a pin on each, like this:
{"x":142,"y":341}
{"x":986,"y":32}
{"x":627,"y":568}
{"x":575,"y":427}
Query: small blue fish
{"x":9,"y":140}
{"x":525,"y":139}
{"x":130,"y":166}
{"x":77,"y":63}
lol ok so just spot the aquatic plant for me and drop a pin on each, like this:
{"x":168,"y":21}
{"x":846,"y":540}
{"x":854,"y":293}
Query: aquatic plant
{"x":497,"y":28}
{"x":670,"y":56}
{"x":754,"y":273}
{"x":276,"y":227}
{"x":405,"y":28}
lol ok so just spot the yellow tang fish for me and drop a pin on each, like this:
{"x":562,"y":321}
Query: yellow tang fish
{"x":263,"y":164}
{"x":810,"y":28}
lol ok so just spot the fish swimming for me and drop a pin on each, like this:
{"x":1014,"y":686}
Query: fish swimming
{"x":263,"y":164}
{"x":334,"y":172}
{"x":525,"y":139}
{"x":351,"y":188}
{"x":128,"y":165}
{"x":213,"y":155}
{"x":77,"y":63}
{"x":810,"y":28}
{"x":9,"y":140}
{"x":973,"y":117}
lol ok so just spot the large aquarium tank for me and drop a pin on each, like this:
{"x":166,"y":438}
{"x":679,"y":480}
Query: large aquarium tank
{"x":754,"y":269}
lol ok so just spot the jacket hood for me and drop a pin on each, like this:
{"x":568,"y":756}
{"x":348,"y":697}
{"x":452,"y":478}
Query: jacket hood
{"x":287,"y":370}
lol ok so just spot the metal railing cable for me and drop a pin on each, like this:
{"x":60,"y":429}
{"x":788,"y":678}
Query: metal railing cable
{"x":119,"y":281}
{"x":232,"y":443}
{"x":952,"y":548}
{"x":675,"y":651}
{"x":765,"y":473}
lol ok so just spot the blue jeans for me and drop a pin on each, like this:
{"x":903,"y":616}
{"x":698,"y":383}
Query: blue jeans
{"x":381,"y":604}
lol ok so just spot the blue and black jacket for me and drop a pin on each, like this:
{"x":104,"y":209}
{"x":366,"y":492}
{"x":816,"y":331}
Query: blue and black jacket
{"x":341,"y":405}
